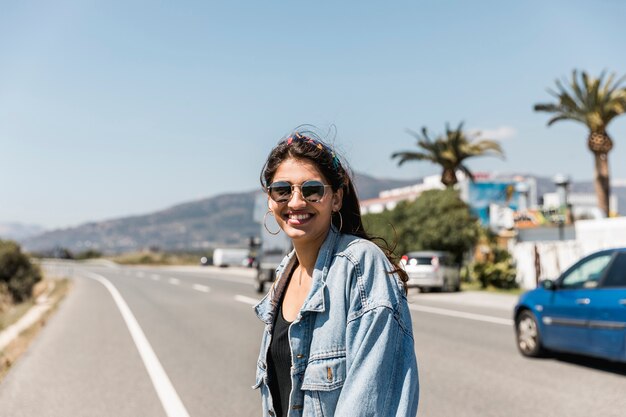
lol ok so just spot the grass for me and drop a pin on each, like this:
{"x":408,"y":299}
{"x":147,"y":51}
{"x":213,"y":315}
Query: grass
{"x":156,"y":258}
{"x":17,"y":347}
{"x":475,"y":286}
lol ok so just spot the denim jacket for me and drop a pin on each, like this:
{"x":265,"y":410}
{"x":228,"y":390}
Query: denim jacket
{"x":351,"y":343}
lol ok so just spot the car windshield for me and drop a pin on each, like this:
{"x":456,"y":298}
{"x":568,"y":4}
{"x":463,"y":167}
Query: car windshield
{"x":420,"y":260}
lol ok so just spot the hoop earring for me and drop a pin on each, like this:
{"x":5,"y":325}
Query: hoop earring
{"x":340,"y":220}
{"x":265,"y":224}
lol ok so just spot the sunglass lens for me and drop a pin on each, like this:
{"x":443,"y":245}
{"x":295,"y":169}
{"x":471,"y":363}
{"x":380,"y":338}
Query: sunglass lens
{"x":280,"y":191}
{"x":313,"y":191}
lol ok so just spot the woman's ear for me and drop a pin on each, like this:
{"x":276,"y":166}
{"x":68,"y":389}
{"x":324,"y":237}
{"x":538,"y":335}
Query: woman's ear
{"x":337,"y":199}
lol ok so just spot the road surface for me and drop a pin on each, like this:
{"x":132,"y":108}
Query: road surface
{"x":150,"y":341}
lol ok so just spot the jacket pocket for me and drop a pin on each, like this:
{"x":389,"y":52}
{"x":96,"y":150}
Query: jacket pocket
{"x":324,"y":374}
{"x":322,"y":382}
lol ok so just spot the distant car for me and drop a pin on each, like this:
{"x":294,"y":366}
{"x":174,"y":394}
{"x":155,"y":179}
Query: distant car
{"x":583,"y":311}
{"x":224,"y":257}
{"x":432,"y":270}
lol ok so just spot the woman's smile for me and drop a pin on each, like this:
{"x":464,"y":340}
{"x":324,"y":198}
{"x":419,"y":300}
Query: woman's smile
{"x":298,"y":218}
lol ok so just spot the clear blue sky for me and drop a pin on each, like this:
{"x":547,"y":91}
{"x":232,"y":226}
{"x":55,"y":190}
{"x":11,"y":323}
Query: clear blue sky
{"x":111,"y":108}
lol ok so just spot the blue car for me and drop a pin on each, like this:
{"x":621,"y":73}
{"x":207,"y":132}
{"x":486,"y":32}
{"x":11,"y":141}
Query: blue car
{"x":583,"y":311}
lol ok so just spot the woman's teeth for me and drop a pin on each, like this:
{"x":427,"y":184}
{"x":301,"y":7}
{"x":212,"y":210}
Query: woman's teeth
{"x":299,"y":216}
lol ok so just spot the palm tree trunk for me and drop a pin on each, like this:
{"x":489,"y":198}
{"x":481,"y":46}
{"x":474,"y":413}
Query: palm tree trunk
{"x":601,"y":181}
{"x":448,"y":177}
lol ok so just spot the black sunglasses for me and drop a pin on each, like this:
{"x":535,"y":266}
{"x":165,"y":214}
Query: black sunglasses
{"x":312,"y":191}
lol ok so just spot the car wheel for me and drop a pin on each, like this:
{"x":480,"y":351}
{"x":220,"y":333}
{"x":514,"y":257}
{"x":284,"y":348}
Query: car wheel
{"x":528,"y":336}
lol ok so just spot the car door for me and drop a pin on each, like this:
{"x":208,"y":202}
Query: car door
{"x":566,"y":317}
{"x":607,"y":322}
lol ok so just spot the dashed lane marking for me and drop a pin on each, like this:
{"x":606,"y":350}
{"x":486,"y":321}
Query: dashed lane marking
{"x":168,"y":396}
{"x":202,"y":288}
{"x":461,"y":314}
{"x":173,"y":281}
{"x":246,"y":300}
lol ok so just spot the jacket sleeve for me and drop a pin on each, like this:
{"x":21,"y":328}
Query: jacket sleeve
{"x":382,"y":377}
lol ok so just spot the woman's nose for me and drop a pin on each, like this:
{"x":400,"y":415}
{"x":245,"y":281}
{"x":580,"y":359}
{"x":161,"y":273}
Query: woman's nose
{"x":296,"y":199}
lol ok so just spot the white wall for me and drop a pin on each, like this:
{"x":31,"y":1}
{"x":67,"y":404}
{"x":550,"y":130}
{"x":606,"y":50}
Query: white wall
{"x":556,"y":256}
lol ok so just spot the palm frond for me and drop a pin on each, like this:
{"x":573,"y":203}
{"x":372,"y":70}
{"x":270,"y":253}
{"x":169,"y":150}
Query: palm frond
{"x":586,"y":99}
{"x":410,"y":156}
{"x":450,"y":149}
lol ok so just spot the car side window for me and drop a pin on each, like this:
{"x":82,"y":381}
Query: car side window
{"x":587,"y":274}
{"x":617,"y":274}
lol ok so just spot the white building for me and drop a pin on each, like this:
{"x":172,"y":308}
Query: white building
{"x":389,"y":199}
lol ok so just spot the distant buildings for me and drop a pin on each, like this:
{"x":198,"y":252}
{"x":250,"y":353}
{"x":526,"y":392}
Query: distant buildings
{"x":504,"y":202}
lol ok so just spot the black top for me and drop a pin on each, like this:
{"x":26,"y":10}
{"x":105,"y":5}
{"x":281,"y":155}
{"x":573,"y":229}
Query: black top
{"x":279,"y":364}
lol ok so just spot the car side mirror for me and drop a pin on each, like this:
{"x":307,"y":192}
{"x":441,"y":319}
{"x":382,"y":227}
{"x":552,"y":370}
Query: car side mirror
{"x":548,"y":284}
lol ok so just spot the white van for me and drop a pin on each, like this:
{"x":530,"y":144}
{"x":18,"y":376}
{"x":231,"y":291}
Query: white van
{"x":230,"y":257}
{"x":432,"y":270}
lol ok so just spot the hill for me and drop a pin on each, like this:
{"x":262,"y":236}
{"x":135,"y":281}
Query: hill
{"x":222,"y":220}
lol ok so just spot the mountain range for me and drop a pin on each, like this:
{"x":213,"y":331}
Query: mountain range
{"x":222,"y":220}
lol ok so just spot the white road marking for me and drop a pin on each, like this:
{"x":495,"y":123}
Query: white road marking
{"x":246,"y":300}
{"x":461,"y":314}
{"x":140,"y":274}
{"x":232,"y":278}
{"x":173,"y":281}
{"x":199,"y":287}
{"x":155,"y":277}
{"x":170,"y":400}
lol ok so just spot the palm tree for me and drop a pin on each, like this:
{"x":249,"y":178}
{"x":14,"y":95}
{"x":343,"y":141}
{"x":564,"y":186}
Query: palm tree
{"x":593,"y":102}
{"x":449,"y":151}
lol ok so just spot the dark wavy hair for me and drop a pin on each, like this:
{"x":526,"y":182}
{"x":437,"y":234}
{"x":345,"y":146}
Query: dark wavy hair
{"x":307,"y":145}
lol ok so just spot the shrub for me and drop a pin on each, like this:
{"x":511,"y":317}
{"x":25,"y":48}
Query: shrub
{"x":17,"y":273}
{"x":496,"y":269}
{"x":88,"y":254}
{"x":437,"y":220}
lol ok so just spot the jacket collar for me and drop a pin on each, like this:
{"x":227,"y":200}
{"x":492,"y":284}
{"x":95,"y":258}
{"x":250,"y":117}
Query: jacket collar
{"x":267,"y":307}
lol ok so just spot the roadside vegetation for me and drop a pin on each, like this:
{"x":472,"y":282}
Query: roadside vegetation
{"x":440,"y":220}
{"x":18,"y":275}
{"x":53,"y":291}
{"x":437,"y":220}
{"x":21,"y":284}
{"x":158,"y":258}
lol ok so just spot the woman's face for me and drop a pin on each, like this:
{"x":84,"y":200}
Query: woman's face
{"x":303,"y":221}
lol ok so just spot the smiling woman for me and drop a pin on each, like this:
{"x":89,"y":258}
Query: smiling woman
{"x":338,"y":336}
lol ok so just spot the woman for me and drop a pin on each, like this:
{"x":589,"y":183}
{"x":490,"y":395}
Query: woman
{"x":338,"y":335}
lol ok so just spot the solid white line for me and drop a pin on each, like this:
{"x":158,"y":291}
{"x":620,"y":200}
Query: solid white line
{"x":246,"y":300}
{"x":199,"y":287}
{"x":173,"y":281}
{"x":461,"y":314}
{"x":170,"y":400}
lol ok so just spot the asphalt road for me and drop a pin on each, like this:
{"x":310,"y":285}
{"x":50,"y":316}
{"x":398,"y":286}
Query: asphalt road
{"x":139,"y":341}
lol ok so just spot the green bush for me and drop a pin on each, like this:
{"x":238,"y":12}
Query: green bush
{"x":495,"y":270}
{"x":437,"y":220}
{"x":17,"y":273}
{"x":88,"y":254}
